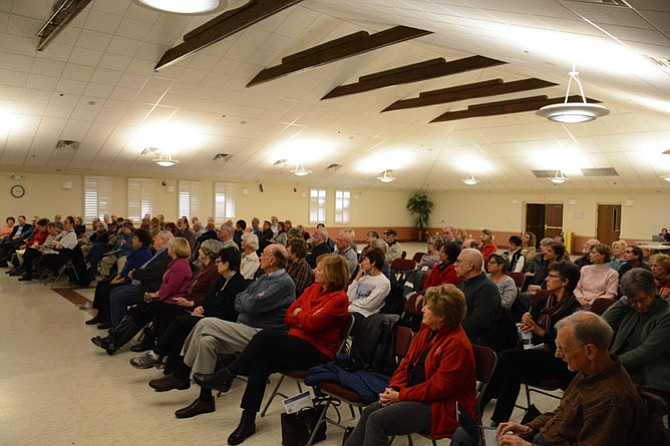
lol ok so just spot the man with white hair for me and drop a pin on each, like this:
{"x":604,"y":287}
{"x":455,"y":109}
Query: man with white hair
{"x":226,"y":236}
{"x":482,"y":298}
{"x":319,"y":246}
{"x":344,"y":246}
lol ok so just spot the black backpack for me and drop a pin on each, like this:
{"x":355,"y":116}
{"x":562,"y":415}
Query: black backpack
{"x":373,"y":347}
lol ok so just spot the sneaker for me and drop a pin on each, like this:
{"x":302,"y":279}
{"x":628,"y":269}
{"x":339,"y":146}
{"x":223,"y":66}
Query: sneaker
{"x":146,"y":361}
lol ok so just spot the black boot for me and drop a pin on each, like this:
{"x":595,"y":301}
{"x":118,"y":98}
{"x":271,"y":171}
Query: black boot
{"x":245,"y":429}
{"x":121,"y":334}
{"x":221,"y":380}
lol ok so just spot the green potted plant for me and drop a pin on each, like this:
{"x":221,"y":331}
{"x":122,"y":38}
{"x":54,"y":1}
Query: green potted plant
{"x":420,"y":207}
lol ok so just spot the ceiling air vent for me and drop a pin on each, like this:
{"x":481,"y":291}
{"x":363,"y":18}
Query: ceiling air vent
{"x":222,"y":157}
{"x":155,"y":151}
{"x":544,"y":173}
{"x":67,"y":145}
{"x":333,"y":167}
{"x":600,"y":172}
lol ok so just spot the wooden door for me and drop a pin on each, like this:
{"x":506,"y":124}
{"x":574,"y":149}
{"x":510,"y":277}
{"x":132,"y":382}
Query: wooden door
{"x":553,"y":220}
{"x":535,"y":219}
{"x":609,"y":223}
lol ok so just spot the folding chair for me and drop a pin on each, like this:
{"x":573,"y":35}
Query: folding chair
{"x":336,"y":392}
{"x":400,"y":266}
{"x":418,"y":256}
{"x":300,"y":375}
{"x":601,"y":304}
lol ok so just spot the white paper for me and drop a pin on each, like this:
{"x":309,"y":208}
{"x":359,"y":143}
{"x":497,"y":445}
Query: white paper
{"x":296,"y":402}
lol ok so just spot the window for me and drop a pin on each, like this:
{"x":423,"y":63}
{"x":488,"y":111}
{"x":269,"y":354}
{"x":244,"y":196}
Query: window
{"x":97,"y":197}
{"x":224,"y":201}
{"x":342,"y":206}
{"x":189,"y":198}
{"x":317,"y":206}
{"x":140,"y":197}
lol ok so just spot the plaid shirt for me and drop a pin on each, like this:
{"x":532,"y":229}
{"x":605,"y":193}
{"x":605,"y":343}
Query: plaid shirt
{"x":302,"y":275}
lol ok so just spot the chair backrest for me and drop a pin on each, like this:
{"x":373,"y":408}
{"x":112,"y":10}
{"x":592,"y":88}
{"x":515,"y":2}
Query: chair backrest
{"x":345,"y":332}
{"x":403,"y":255}
{"x":485,"y":364}
{"x":601,"y":304}
{"x":518,"y":278}
{"x":410,"y":305}
{"x":418,"y":256}
{"x":402,"y":265}
{"x":403,"y":339}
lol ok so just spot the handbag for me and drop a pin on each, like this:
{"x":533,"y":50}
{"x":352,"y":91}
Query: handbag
{"x":297,"y":427}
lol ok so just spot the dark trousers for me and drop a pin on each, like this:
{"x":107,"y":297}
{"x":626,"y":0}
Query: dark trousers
{"x":519,"y":366}
{"x":267,"y":353}
{"x":377,"y":423}
{"x":101,"y":298}
{"x":171,"y":343}
{"x":94,"y":255}
{"x":160,"y":312}
{"x":30,"y":257}
{"x":54,"y":261}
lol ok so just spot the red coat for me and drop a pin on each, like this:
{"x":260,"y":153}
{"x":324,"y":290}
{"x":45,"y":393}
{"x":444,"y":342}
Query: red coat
{"x":450,"y":377}
{"x":437,"y":277}
{"x":487,"y":250}
{"x":321,"y":320}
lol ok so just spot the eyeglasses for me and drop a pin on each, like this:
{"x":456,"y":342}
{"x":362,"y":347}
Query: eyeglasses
{"x":462,"y":261}
{"x":561,"y":351}
{"x":218,"y":261}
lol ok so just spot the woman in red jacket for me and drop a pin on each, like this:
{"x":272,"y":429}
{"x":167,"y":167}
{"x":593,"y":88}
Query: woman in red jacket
{"x":442,"y":273}
{"x":438,"y":371}
{"x":315,"y":322}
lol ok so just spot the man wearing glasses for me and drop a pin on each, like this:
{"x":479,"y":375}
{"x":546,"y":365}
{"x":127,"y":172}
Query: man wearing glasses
{"x":600,"y":407}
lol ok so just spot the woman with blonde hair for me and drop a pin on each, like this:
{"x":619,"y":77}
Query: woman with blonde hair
{"x":618,"y":250}
{"x":660,"y":268}
{"x":315,"y":322}
{"x":437,"y":372}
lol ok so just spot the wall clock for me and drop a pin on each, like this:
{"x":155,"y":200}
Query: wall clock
{"x":17,"y":191}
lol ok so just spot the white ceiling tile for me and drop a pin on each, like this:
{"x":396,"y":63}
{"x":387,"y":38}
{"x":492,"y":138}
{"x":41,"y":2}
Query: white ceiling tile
{"x":84,"y":56}
{"x":102,"y":21}
{"x":41,"y":82}
{"x":77,"y":72}
{"x":133,"y":29}
{"x":13,"y":78}
{"x":98,"y":90}
{"x":93,"y":40}
{"x":56,"y":51}
{"x":106,"y":76}
{"x":15,"y":62}
{"x":70,"y":86}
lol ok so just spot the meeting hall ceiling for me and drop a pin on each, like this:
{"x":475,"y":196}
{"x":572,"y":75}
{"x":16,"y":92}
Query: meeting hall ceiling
{"x":99,"y":82}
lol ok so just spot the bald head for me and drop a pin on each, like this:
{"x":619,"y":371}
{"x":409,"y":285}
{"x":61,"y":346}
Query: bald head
{"x":474,"y":256}
{"x":469,"y":263}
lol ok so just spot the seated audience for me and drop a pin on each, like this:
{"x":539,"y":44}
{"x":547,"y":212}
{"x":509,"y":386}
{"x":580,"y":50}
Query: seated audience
{"x":665,"y":234}
{"x":585,"y":259}
{"x":226,"y":236}
{"x":98,"y":245}
{"x":551,"y":251}
{"x":597,"y":279}
{"x":437,"y":373}
{"x":528,"y":247}
{"x":63,"y":245}
{"x":641,"y":322}
{"x":660,"y":268}
{"x":600,"y":407}
{"x":618,"y":251}
{"x":220,"y":303}
{"x":138,"y":257}
{"x":280,"y":237}
{"x":432,"y":255}
{"x":266,"y":235}
{"x":119,"y":254}
{"x":145,"y":279}
{"x":7,"y":228}
{"x":240,"y":228}
{"x":183,"y":230}
{"x":368,"y":291}
{"x":250,"y":260}
{"x":634,"y":258}
{"x":319,"y":246}
{"x":38,"y":238}
{"x":497,"y":268}
{"x":394,"y":250}
{"x":297,"y":267}
{"x":449,"y":234}
{"x":168,"y":299}
{"x":369,"y":237}
{"x":315,"y":322}
{"x":520,"y":365}
{"x":255,"y":227}
{"x":482,"y":298}
{"x":79,"y":227}
{"x":262,"y":305}
{"x":19,"y":235}
{"x":486,"y":245}
{"x":517,"y":261}
{"x":344,"y":246}
{"x":444,"y":272}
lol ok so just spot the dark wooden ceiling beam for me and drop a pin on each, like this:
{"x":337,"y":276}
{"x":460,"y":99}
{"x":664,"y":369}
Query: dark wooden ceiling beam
{"x":64,"y":11}
{"x":338,"y":49}
{"x":223,"y":26}
{"x":507,"y":107}
{"x":413,"y":73}
{"x":492,"y":87}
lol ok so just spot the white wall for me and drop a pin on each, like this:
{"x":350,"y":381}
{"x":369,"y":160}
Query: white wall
{"x":643,"y":213}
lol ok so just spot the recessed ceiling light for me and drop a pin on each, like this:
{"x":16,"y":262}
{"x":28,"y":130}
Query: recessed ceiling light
{"x":471,"y":180}
{"x":183,"y":7}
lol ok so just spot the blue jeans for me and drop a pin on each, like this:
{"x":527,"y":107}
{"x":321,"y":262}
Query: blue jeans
{"x":462,"y":438}
{"x":119,"y":300}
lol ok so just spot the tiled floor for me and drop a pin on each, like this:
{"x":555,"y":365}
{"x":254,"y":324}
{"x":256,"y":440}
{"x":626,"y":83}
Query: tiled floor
{"x":56,"y":388}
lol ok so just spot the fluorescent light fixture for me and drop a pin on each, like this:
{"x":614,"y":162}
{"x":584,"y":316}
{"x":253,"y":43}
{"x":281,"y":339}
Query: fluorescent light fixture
{"x":300,"y":170}
{"x":666,"y":177}
{"x":470,"y":180}
{"x":573,"y":112}
{"x":165,"y":160}
{"x":559,"y":178}
{"x":183,"y":6}
{"x":386,"y":177}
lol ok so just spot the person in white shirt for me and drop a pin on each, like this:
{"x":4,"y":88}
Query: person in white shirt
{"x":369,"y":289}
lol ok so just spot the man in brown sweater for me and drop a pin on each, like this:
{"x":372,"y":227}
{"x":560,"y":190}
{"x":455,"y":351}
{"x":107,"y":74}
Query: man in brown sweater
{"x":601,"y":406}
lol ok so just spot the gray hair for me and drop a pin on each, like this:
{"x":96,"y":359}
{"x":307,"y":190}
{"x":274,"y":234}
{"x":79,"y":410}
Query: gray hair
{"x":166,"y":236}
{"x":379,"y":244}
{"x":545,"y":241}
{"x":323,"y":232}
{"x":588,"y":328}
{"x":475,"y":257}
{"x":638,"y":280}
{"x":251,"y":240}
{"x":436,"y":241}
{"x":211,"y":248}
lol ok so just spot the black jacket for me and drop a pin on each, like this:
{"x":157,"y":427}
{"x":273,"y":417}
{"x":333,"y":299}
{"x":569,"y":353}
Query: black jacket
{"x":151,"y":276}
{"x":221,"y":303}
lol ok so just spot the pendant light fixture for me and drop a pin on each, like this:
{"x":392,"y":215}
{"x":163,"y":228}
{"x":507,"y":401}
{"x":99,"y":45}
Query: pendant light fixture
{"x":386,"y":177}
{"x":165,"y":160}
{"x":559,"y":178}
{"x":573,"y":112}
{"x":300,"y":170}
{"x":470,"y":180}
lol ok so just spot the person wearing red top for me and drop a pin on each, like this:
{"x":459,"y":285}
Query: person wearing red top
{"x":315,"y":322}
{"x":442,"y":273}
{"x":437,"y":372}
{"x":38,"y":239}
{"x":486,"y":247}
